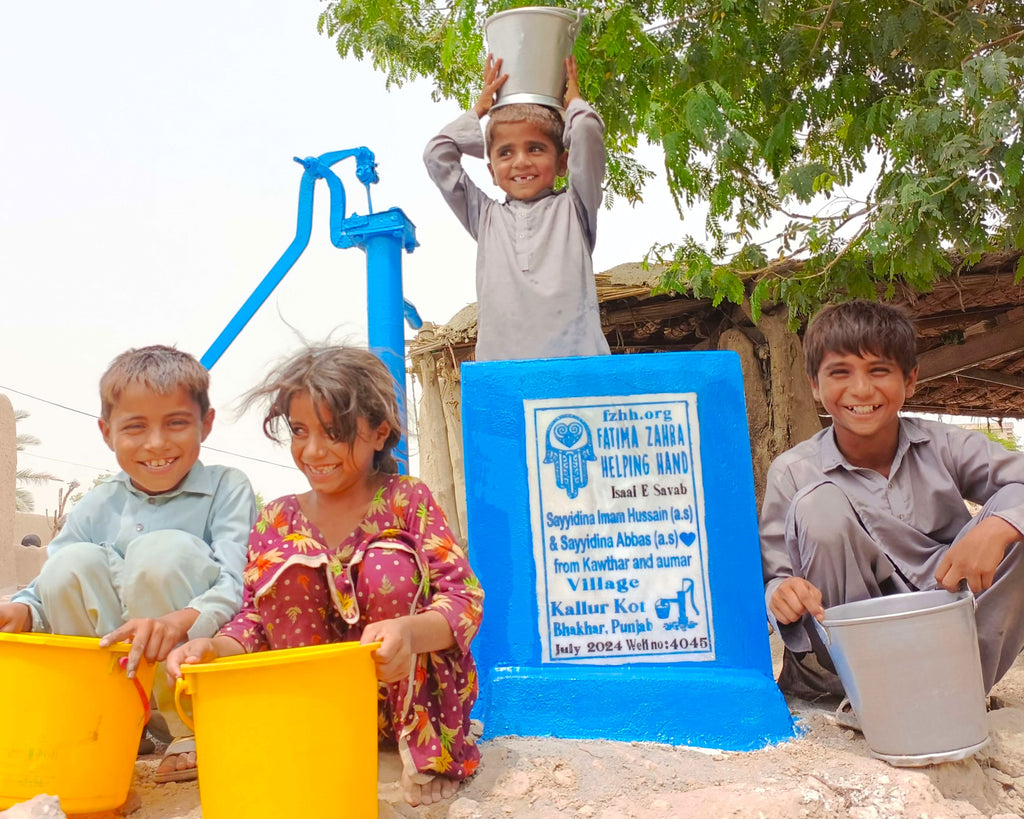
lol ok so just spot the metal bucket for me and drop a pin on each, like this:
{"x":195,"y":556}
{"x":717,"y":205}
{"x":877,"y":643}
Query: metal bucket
{"x":532,"y":43}
{"x":911,"y":668}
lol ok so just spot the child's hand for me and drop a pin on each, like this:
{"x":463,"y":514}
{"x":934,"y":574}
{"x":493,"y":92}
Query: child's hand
{"x":200,"y":650}
{"x":152,"y":637}
{"x":976,"y":556}
{"x":15,"y":617}
{"x":794,"y":598}
{"x":395,"y":657}
{"x":572,"y":85}
{"x":493,"y":80}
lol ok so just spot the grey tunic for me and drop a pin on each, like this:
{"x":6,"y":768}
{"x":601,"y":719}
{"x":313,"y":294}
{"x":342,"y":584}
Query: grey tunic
{"x":851,"y":531}
{"x":534,"y":274}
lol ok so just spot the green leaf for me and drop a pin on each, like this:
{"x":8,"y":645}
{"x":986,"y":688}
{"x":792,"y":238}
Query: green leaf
{"x":1012,"y":164}
{"x":727,"y":285}
{"x":994,"y":70}
{"x":757,"y":298}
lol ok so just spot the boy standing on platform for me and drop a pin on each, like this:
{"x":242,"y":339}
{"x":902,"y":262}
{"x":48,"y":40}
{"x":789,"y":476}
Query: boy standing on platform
{"x":874,"y":504}
{"x":534,"y":273}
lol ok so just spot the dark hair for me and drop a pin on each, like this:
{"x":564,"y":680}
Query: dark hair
{"x":348,"y":382}
{"x":858,"y":327}
{"x":547,"y":120}
{"x":159,"y":369}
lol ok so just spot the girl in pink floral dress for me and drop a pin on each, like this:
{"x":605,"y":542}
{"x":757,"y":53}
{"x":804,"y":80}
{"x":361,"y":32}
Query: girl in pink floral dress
{"x":365,"y":554}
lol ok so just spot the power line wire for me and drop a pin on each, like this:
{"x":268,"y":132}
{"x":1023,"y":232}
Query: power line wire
{"x":94,"y":417}
{"x":58,"y":460}
{"x":251,"y":458}
{"x":51,"y":403}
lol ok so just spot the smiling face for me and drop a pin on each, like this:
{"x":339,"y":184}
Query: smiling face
{"x":523,"y":160}
{"x":156,"y":437}
{"x":863,"y":394}
{"x":331,"y":466}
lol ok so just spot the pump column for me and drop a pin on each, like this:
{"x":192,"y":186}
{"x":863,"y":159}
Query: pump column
{"x":384,"y":236}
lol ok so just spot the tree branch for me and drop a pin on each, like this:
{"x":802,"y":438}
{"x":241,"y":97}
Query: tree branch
{"x":1009,"y":38}
{"x":821,"y":32}
{"x":933,"y":12}
{"x":821,"y":273}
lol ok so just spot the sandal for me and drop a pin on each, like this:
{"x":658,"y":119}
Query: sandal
{"x":178,"y":746}
{"x":846,"y":717}
{"x":146,"y":745}
{"x":157,"y":727}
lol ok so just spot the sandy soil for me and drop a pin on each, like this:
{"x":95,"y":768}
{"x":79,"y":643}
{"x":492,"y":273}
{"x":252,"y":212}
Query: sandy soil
{"x":827,"y":773}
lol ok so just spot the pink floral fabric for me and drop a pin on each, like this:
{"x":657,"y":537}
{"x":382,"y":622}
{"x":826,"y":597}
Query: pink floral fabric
{"x":401,"y":559}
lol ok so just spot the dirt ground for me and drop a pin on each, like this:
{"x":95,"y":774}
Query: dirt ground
{"x":825,"y":774}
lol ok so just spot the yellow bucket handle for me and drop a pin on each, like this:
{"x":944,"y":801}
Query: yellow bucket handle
{"x":181,"y":686}
{"x":122,"y":663}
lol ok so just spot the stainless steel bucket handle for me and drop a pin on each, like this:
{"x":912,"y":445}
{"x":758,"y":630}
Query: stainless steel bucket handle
{"x":574,"y":26}
{"x":964,"y":587}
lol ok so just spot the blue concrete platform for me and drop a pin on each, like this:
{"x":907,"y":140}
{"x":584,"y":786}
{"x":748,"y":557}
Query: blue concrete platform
{"x":613,"y":527}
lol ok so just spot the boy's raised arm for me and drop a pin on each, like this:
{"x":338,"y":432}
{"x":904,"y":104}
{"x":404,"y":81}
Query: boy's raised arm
{"x":443,"y":154}
{"x":572,"y":81}
{"x":443,"y":158}
{"x":493,"y":80}
{"x":584,"y":140}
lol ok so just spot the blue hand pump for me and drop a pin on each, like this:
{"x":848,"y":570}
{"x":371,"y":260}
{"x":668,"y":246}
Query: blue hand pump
{"x":382,"y":236}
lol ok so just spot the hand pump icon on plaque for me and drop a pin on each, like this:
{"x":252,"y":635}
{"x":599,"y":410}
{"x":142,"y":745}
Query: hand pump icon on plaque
{"x":663,"y":607}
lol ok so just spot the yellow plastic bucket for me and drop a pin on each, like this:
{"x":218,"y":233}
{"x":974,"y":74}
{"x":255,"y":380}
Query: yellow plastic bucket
{"x":284,"y":733}
{"x":70,"y":720}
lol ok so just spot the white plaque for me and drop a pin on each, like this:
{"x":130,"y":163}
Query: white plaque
{"x":617,"y":515}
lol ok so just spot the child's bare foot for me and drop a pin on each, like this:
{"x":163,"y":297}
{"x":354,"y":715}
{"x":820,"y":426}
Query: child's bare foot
{"x":179,"y":762}
{"x":426,"y":789}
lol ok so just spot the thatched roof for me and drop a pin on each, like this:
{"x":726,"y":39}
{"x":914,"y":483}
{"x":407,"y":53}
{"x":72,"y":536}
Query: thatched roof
{"x":970,"y":332}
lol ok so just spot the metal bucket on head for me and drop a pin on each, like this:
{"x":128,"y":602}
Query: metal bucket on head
{"x":532,"y":43}
{"x":912,"y":670}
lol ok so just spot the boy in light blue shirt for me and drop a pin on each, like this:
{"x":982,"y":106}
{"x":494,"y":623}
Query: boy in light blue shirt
{"x":156,"y":554}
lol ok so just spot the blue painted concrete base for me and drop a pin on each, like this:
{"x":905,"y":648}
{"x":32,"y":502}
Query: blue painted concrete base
{"x":676,"y":706}
{"x":530,"y":502}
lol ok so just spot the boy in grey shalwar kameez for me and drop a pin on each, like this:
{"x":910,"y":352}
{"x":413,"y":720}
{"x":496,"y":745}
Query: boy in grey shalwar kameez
{"x":534,"y":275}
{"x":874,"y":504}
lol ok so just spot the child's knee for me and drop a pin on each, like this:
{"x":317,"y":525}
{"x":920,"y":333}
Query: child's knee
{"x":821,"y":512}
{"x":386,"y":585}
{"x":165,"y":555}
{"x":1008,"y":497}
{"x":307,"y":582}
{"x":74,"y":565}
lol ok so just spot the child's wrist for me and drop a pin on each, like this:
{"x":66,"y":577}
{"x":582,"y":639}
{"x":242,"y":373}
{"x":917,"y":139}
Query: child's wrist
{"x":181,"y":620}
{"x":26,"y":616}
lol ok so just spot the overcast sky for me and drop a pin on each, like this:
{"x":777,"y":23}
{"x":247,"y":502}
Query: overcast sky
{"x":147,"y":185}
